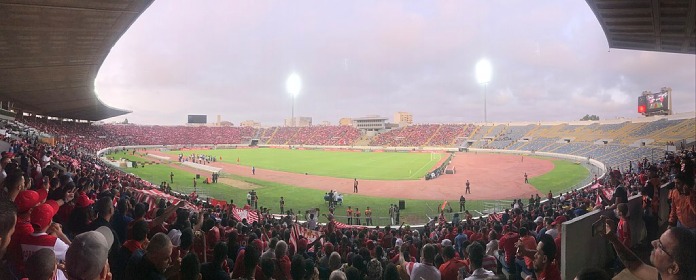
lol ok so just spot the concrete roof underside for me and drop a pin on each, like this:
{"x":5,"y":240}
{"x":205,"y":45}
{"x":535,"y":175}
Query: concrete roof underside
{"x":648,"y":25}
{"x":51,"y":51}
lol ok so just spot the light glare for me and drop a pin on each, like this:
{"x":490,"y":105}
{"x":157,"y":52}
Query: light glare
{"x":483,"y":71}
{"x":294,"y":84}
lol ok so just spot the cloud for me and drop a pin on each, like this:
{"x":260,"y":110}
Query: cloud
{"x":551,"y":63}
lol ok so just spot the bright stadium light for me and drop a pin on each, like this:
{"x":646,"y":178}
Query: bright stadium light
{"x":293,"y":85}
{"x":484,"y":71}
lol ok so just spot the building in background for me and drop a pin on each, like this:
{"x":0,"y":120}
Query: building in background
{"x":403,"y":118}
{"x":250,"y":123}
{"x":299,"y":121}
{"x":325,"y":123}
{"x":370,"y":123}
{"x":345,"y":121}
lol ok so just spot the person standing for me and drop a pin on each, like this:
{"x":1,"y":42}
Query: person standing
{"x":253,"y":170}
{"x":282,"y":205}
{"x":368,"y":216}
{"x":355,"y":185}
{"x":349,"y":213}
{"x":468,"y":187}
{"x":526,"y":180}
{"x":357,"y":216}
{"x":462,"y":203}
{"x":171,"y":177}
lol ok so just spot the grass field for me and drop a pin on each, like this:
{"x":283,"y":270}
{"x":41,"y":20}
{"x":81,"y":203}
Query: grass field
{"x":564,"y":175}
{"x":362,"y":165}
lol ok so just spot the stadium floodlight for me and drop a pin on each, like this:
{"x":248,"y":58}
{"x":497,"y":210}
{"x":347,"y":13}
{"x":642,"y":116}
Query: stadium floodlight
{"x":484,"y":71}
{"x":293,"y":85}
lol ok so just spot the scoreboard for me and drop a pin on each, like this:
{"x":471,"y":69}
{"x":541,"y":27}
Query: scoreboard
{"x":660,"y":103}
{"x":197,"y":119}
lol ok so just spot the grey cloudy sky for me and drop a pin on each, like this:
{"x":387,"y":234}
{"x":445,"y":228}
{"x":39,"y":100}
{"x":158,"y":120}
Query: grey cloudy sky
{"x":550,"y":60}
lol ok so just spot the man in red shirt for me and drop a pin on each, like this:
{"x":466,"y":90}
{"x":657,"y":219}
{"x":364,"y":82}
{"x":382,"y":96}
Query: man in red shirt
{"x":46,"y":234}
{"x":529,"y":242}
{"x":507,"y":244}
{"x":451,"y":265}
{"x":543,"y":258}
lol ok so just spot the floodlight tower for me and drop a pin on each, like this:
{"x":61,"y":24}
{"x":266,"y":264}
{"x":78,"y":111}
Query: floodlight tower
{"x":483,"y":77}
{"x":293,"y":85}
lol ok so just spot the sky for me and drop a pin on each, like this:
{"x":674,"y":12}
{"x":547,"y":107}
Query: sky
{"x":550,"y":62}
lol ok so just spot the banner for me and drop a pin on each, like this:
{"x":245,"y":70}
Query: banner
{"x":243,"y":213}
{"x":311,"y":235}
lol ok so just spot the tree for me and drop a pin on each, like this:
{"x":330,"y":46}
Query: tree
{"x":125,"y":121}
{"x":590,"y":118}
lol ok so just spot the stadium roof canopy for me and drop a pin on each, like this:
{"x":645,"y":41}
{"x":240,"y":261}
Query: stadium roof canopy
{"x":648,"y":25}
{"x":51,"y":51}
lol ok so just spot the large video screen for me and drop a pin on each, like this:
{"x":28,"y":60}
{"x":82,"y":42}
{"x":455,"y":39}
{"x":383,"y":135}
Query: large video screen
{"x":653,"y":102}
{"x":197,"y":119}
{"x":656,"y":102}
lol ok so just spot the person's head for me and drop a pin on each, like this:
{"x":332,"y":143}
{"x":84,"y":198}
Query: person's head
{"x":673,"y":253}
{"x":338,"y":275}
{"x":391,"y":272}
{"x":186,"y":239}
{"x":334,"y":261}
{"x":281,"y":249}
{"x":251,"y":259}
{"x":158,"y":251}
{"x":267,"y":267}
{"x":352,"y":273}
{"x":297,"y":267}
{"x":447,"y":253}
{"x":13,"y":184}
{"x":546,"y":251}
{"x":476,"y":253}
{"x":42,"y":264}
{"x":104,"y":207}
{"x":139,"y":210}
{"x":622,"y":210}
{"x":87,"y":255}
{"x":220,"y":253}
{"x":140,"y":231}
{"x":42,"y":216}
{"x":190,"y":268}
{"x":592,"y":273}
{"x":8,"y":219}
{"x":428,"y":253}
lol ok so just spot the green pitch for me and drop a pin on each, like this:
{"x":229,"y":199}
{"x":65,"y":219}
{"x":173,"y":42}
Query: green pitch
{"x":565,"y":175}
{"x":340,"y":164}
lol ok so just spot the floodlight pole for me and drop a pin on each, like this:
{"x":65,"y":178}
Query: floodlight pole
{"x":292,"y":117}
{"x":485,"y":112}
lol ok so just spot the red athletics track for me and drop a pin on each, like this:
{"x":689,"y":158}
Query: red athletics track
{"x":492,"y":176}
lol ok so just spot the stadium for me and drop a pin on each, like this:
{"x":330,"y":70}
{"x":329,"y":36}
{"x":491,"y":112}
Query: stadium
{"x":412,"y":176}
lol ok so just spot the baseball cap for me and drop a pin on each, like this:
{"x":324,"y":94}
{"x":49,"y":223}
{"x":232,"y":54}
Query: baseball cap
{"x":446,"y":243}
{"x":26,"y":200}
{"x":42,"y":215}
{"x":83,"y":201}
{"x":88,"y":253}
{"x":538,"y":219}
{"x":559,"y":220}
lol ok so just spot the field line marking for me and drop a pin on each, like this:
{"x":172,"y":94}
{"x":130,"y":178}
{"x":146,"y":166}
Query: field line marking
{"x":426,"y":164}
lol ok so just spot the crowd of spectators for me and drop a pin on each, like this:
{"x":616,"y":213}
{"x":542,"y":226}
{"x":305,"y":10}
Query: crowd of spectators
{"x":65,"y":214}
{"x":423,"y":135}
{"x":314,"y":135}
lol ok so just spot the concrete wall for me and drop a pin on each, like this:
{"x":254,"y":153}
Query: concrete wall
{"x":579,"y":249}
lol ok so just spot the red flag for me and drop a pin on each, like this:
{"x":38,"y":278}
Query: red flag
{"x":444,"y":204}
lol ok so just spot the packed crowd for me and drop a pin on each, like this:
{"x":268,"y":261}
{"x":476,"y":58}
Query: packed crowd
{"x":422,"y":135}
{"x":66,"y":215}
{"x":314,"y":135}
